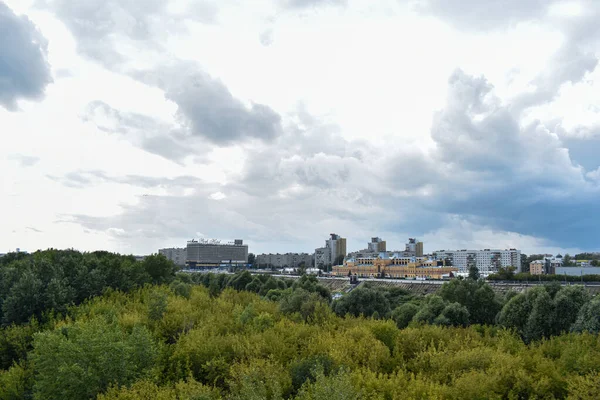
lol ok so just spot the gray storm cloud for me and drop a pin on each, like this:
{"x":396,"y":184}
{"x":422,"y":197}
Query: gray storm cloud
{"x":24,"y":69}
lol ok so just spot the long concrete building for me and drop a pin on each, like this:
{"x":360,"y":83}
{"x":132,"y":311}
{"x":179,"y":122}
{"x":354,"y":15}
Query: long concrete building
{"x":213,"y":253}
{"x":291,"y":260}
{"x":487,"y":261}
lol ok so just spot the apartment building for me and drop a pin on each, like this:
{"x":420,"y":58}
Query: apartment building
{"x":287,"y":260}
{"x":335,"y":249}
{"x":414,"y":247}
{"x":377,"y":245}
{"x":176,"y":254}
{"x":546,"y":266}
{"x":488,"y":261}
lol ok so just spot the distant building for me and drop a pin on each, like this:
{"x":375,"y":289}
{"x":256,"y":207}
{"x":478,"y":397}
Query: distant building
{"x":322,"y":257}
{"x":376,"y":245}
{"x":291,"y":260}
{"x":213,"y":253}
{"x":176,"y":254}
{"x":577,"y":271}
{"x":488,"y":261}
{"x":414,"y":248}
{"x":395,"y":266}
{"x":334,"y":250}
{"x":546,"y":266}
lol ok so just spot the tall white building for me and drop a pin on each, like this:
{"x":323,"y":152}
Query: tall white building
{"x":488,"y":261}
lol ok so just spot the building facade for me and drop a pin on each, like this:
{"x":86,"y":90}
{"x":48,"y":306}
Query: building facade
{"x":213,"y":253}
{"x":546,"y":266}
{"x":176,"y":254}
{"x":414,"y":247}
{"x":578,"y":271}
{"x":334,"y":250}
{"x":287,"y":260}
{"x":487,"y":261}
{"x":396,"y":266}
{"x":376,"y":245}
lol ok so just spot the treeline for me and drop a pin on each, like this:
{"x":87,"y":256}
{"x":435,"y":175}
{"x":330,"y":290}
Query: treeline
{"x":186,"y":341}
{"x":96,"y":327}
{"x":538,"y":313}
{"x":32,"y":285}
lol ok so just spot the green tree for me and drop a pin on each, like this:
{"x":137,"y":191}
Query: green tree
{"x":86,"y":358}
{"x":307,"y":369}
{"x":454,"y":314}
{"x":588,"y":319}
{"x":404,"y":313}
{"x":362,"y":301}
{"x":251,"y":259}
{"x":524,"y":263}
{"x":334,"y":387}
{"x":568,"y":302}
{"x":16,"y":341}
{"x":300,"y":301}
{"x":474,"y":273}
{"x":540,"y":321}
{"x":25,"y":299}
{"x":160,"y":269}
{"x":568,"y":261}
{"x":311,"y":284}
{"x":477,"y":296}
{"x":431,"y":309}
{"x":16,"y":382}
{"x":240,"y":280}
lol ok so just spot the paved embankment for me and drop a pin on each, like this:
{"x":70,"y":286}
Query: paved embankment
{"x":342,"y":284}
{"x":427,"y":287}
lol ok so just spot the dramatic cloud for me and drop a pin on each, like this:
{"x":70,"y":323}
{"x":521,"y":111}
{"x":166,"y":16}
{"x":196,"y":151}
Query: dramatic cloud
{"x":24,"y":70}
{"x":506,"y":175}
{"x":147,"y":133}
{"x":568,"y":65}
{"x":208,"y":115}
{"x":502,"y":156}
{"x":107,"y":30}
{"x":208,"y":109}
{"x":485,"y":171}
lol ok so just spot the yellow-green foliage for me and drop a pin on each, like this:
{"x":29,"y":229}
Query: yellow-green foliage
{"x":166,"y":343}
{"x":147,"y":390}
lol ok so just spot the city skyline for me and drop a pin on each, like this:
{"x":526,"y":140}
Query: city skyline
{"x":467,"y":124}
{"x":353,"y":245}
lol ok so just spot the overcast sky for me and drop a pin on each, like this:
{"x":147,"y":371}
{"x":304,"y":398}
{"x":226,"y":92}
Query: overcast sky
{"x":131,"y":125}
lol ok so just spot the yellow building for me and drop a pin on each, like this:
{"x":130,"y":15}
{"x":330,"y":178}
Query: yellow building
{"x":395,"y":267}
{"x":537,"y":267}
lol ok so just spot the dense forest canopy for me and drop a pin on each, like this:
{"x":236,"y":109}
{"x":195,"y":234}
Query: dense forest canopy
{"x":108,"y":327}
